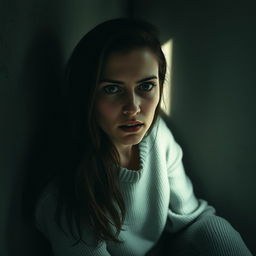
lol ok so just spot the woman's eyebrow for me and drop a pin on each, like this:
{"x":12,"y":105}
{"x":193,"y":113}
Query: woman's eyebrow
{"x":120,"y":82}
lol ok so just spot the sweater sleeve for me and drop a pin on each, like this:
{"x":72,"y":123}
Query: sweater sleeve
{"x":61,"y":244}
{"x":184,"y":207}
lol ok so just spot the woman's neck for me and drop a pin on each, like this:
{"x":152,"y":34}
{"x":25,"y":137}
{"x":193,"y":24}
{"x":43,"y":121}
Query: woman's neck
{"x":131,"y":160}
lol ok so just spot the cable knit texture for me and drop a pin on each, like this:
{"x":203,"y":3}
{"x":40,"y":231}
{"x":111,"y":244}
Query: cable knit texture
{"x":159,"y":197}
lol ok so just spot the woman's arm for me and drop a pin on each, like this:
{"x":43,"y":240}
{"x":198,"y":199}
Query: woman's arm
{"x":201,"y":231}
{"x":60,"y":243}
{"x":184,"y":207}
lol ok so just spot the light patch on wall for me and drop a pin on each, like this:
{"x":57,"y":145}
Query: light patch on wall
{"x":166,"y":99}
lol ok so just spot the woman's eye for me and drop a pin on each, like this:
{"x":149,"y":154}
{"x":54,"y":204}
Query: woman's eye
{"x":114,"y":89}
{"x":147,"y":86}
{"x":111,"y":89}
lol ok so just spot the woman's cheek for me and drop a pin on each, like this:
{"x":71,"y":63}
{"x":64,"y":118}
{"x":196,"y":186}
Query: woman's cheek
{"x":153,"y":101}
{"x":108,"y":107}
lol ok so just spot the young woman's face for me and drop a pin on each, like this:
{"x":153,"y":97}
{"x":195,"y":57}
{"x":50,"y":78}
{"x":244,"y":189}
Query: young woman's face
{"x":128,"y":91}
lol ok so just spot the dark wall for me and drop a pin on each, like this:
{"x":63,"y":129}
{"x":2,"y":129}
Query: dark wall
{"x":213,"y":107}
{"x":36,"y":38}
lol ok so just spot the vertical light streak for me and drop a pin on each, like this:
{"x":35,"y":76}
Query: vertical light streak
{"x":166,"y":99}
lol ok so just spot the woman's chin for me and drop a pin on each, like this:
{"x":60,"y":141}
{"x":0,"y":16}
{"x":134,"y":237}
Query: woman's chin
{"x":131,"y":139}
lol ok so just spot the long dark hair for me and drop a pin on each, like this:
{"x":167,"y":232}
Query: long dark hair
{"x":88,"y":188}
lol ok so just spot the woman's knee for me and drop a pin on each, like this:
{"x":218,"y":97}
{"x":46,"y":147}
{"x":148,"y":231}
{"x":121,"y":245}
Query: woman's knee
{"x":212,"y":227}
{"x":213,"y":235}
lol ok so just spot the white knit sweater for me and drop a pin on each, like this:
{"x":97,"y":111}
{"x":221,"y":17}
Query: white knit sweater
{"x":158,"y":196}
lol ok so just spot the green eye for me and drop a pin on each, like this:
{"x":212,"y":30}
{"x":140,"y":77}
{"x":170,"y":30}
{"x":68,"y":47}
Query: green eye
{"x":147,"y":86}
{"x":111,"y":89}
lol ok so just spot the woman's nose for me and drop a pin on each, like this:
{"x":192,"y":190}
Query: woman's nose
{"x":132,"y":105}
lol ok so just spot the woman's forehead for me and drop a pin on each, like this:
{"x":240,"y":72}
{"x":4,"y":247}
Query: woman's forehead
{"x":138,"y":62}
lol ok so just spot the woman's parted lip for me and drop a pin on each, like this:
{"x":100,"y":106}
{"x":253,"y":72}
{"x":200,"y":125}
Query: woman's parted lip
{"x":131,"y":123}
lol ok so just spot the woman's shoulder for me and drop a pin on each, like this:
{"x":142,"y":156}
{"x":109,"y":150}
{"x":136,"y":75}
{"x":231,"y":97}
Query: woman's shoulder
{"x":45,"y":205}
{"x":162,"y":131}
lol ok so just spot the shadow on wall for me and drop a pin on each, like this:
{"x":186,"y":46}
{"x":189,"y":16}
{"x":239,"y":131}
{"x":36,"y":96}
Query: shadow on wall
{"x":41,"y":82}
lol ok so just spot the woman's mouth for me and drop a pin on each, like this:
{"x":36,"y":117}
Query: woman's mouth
{"x":131,"y":128}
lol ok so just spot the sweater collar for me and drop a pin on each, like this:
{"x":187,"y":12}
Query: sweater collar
{"x":132,"y":176}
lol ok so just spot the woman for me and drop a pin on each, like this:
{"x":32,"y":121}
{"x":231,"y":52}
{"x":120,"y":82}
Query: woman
{"x":123,"y":190}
